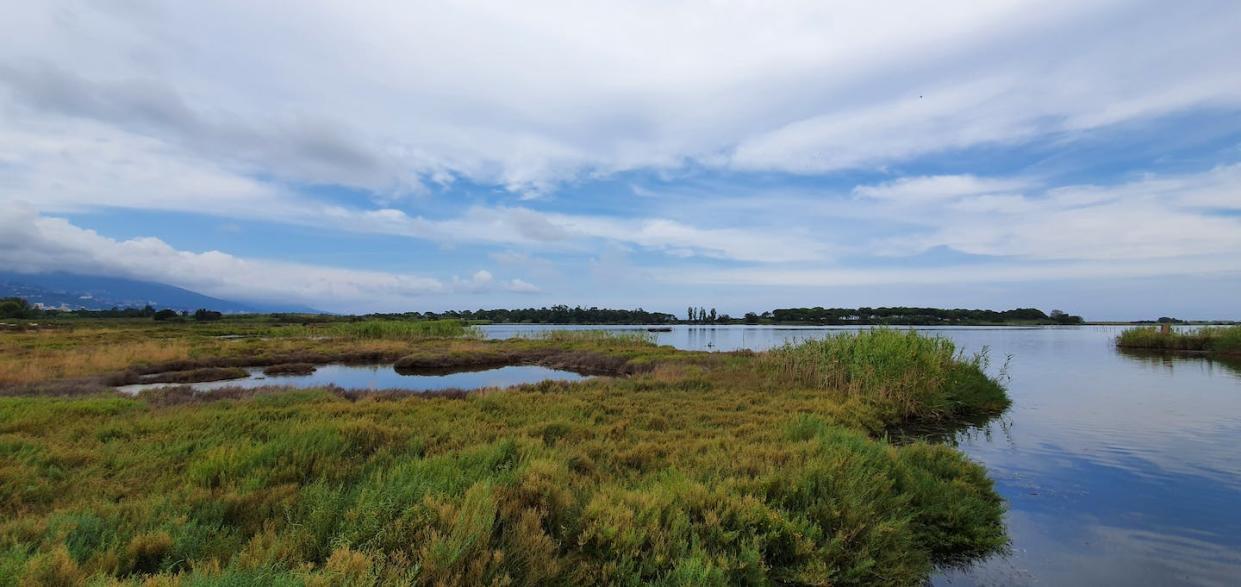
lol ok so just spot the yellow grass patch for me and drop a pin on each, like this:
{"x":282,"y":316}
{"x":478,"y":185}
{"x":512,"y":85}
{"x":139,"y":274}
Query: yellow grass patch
{"x":44,"y":363}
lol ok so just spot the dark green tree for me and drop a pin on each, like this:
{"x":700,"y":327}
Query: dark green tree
{"x":205,"y":315}
{"x":15,"y":308}
{"x":165,"y":314}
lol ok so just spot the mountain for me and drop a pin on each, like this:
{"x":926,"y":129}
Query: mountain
{"x":94,"y":292}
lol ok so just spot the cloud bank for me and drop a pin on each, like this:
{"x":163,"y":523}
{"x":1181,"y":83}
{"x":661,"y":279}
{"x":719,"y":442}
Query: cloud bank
{"x":30,"y":243}
{"x":392,"y":98}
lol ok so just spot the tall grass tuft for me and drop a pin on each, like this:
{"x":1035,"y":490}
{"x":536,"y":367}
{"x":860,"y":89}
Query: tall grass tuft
{"x":906,"y":374}
{"x":381,"y":330}
{"x":623,"y":337}
{"x":1211,"y":339}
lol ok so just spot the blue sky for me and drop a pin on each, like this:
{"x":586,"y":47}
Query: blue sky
{"x":416,"y":156}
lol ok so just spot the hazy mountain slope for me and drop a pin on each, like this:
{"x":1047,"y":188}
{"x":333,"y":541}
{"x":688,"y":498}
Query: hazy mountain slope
{"x":96,"y":292}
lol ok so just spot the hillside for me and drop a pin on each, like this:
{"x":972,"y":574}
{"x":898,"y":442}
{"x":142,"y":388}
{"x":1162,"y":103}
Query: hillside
{"x":93,"y":292}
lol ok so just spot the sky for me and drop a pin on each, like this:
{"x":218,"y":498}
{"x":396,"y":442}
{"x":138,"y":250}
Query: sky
{"x":409,"y":156}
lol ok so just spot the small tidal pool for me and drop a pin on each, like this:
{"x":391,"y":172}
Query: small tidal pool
{"x":383,"y":377}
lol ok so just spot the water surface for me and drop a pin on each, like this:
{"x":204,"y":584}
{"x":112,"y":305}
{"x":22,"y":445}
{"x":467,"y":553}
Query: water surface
{"x":1118,"y":469}
{"x":385,"y":377}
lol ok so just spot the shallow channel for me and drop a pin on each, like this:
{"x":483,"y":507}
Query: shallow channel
{"x":383,"y":377}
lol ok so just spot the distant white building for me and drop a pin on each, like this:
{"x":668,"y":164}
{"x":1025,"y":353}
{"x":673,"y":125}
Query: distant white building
{"x":62,"y":307}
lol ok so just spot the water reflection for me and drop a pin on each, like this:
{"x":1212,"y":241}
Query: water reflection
{"x":978,"y":429}
{"x":1171,"y":361}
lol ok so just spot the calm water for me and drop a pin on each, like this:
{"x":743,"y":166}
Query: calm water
{"x":384,"y":377}
{"x":1117,"y":469}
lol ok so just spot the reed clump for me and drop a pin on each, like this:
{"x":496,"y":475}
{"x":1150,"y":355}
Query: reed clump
{"x":1207,"y":339}
{"x":904,"y":373}
{"x":609,"y":337}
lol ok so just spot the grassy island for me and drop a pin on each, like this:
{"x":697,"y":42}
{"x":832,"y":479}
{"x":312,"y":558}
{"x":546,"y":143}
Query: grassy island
{"x":1210,"y":340}
{"x":670,"y":468}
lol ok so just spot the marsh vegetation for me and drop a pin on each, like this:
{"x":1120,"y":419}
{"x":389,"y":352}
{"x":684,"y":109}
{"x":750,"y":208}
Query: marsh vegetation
{"x":1220,"y":340}
{"x":680,"y":468}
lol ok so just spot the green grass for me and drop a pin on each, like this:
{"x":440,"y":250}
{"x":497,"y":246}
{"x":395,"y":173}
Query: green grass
{"x":594,"y":336}
{"x":379,"y":330}
{"x":702,"y":469}
{"x":1209,"y":339}
{"x":908,"y":374}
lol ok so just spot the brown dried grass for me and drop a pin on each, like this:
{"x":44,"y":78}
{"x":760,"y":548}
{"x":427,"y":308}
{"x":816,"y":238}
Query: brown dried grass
{"x":42,"y":363}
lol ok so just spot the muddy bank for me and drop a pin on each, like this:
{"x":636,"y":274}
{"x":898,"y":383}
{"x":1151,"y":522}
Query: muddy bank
{"x":583,"y":362}
{"x":196,"y":375}
{"x":289,"y":369}
{"x":186,"y":395}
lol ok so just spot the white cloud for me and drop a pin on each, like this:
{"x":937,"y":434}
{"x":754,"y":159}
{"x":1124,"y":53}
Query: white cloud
{"x":679,"y":239}
{"x":1154,"y":225}
{"x":937,"y":188}
{"x":1155,"y":217}
{"x":949,"y":275}
{"x":509,"y":225}
{"x":71,"y":167}
{"x":388,"y":98}
{"x":893,"y":129}
{"x":110,"y":168}
{"x":519,"y":286}
{"x":32,"y":243}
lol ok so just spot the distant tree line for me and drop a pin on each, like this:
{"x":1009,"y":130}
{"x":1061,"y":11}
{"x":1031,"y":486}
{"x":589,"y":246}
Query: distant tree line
{"x":703,"y":315}
{"x":912,"y":316}
{"x":21,"y":308}
{"x":562,"y":314}
{"x":553,"y":315}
